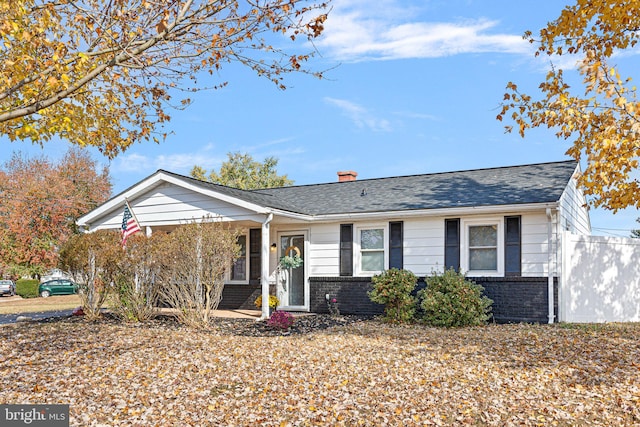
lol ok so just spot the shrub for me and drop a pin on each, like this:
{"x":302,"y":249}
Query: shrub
{"x":92,"y":259}
{"x":450,"y":300}
{"x":280,"y":320}
{"x":193,"y":261}
{"x":393,"y":289}
{"x":136,"y":287}
{"x":134,"y":302}
{"x":27,"y":288}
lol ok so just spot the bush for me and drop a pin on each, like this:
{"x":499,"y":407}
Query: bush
{"x":135,"y":288}
{"x":393,"y":289}
{"x":280,"y":320}
{"x":193,"y":260}
{"x":27,"y":288}
{"x":92,"y":259}
{"x":450,"y":300}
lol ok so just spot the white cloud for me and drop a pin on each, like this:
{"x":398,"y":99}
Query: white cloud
{"x":417,"y":116}
{"x":179,"y":163}
{"x":359,"y":115}
{"x":266,"y":144}
{"x":357,"y":31}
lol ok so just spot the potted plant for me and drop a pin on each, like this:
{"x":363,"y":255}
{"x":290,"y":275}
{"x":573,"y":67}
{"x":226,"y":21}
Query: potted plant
{"x":273,"y":303}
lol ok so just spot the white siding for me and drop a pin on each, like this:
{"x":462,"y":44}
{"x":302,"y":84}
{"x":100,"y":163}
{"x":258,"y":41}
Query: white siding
{"x":170,"y":204}
{"x":574,"y":215}
{"x":534,"y":250}
{"x":324,"y":245}
{"x":424,"y":246}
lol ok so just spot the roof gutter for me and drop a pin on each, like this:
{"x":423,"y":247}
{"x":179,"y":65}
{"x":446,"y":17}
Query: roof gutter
{"x":467,"y":210}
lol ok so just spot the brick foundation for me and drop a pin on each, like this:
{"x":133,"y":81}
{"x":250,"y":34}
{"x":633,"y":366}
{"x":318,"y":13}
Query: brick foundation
{"x":515,"y":299}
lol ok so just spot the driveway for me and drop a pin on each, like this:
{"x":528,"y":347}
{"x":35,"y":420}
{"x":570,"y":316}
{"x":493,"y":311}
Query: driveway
{"x":11,"y":318}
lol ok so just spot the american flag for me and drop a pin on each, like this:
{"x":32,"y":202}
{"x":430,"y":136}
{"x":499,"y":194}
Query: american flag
{"x":129,"y":224}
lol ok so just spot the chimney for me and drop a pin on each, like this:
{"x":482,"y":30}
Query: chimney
{"x":345,"y":176}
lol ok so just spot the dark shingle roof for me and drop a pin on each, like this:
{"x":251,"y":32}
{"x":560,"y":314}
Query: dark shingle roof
{"x":537,"y":183}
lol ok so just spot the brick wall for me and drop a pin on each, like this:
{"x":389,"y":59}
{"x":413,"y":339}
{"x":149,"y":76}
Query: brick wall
{"x":515,"y":299}
{"x":351,"y":293}
{"x":519,"y":299}
{"x":241,"y":297}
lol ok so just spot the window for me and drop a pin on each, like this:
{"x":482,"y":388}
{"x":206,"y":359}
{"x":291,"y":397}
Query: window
{"x":239,"y":268}
{"x":483,"y":247}
{"x":371,"y":250}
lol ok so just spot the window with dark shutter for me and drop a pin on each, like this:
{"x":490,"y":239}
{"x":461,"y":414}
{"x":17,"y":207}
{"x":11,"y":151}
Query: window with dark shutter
{"x":395,"y":245}
{"x":452,"y":243}
{"x":512,"y":246}
{"x":346,"y":249}
{"x":255,"y":251}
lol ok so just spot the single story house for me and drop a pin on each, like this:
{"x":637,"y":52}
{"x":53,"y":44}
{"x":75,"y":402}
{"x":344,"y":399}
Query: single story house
{"x":501,"y":226}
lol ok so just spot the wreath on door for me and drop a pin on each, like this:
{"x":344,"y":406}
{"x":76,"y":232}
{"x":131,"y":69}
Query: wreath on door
{"x":291,"y":258}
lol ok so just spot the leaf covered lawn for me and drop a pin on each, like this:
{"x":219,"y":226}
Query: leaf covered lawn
{"x":361,"y":373}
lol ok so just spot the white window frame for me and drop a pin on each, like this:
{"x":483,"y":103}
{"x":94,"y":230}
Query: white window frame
{"x":464,"y":245}
{"x":358,"y":250}
{"x":246,"y":264}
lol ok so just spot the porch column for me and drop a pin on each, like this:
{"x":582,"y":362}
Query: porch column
{"x":264,"y":263}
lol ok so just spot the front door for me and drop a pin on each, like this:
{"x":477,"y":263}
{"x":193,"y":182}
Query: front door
{"x":292,"y":283}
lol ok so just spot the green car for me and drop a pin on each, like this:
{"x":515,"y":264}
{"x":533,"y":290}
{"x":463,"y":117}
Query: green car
{"x":57,"y":287}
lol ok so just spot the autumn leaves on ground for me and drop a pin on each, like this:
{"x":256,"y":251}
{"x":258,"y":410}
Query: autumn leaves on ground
{"x":360,"y":373}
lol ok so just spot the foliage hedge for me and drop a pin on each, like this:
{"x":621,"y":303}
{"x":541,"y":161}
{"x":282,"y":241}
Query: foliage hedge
{"x":27,"y":288}
{"x":451,"y":300}
{"x":393,"y":288}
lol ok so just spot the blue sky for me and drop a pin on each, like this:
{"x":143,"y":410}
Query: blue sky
{"x":412,"y":87}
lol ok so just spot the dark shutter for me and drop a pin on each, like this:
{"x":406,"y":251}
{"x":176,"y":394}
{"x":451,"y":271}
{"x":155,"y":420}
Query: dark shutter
{"x":452,"y":243}
{"x":255,"y":253}
{"x":346,"y":249}
{"x":512,"y":246}
{"x":395,"y":245}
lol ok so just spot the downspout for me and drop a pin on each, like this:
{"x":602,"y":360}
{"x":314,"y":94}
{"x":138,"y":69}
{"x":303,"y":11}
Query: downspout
{"x":264,"y":265}
{"x":550,"y":263}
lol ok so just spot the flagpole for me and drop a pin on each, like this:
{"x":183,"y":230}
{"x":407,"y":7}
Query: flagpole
{"x":128,"y":228}
{"x":126,"y":201}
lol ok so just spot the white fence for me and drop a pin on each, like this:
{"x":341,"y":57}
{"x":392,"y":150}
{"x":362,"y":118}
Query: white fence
{"x":600,"y":279}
